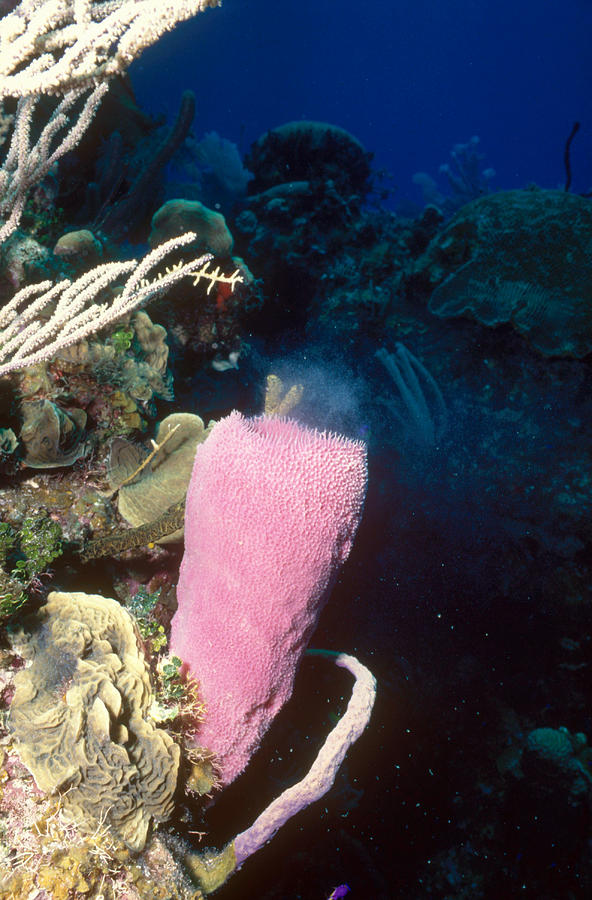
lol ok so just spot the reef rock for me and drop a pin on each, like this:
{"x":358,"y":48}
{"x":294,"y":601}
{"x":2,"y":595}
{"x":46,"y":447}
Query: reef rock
{"x":523,"y":258}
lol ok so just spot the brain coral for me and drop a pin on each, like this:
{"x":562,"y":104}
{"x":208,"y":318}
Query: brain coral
{"x":80,"y":716}
{"x":178,"y":216}
{"x":524,"y":258}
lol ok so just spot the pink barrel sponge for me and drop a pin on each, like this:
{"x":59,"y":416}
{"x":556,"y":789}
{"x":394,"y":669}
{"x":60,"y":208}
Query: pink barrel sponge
{"x":272,"y":510}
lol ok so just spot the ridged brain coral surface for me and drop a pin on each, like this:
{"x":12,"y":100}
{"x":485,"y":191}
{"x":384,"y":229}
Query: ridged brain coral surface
{"x":526,"y":260}
{"x":79,"y":715}
{"x":271,"y":513}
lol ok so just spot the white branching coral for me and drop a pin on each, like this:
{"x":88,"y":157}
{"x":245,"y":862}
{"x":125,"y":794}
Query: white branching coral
{"x":51,"y":46}
{"x":26,"y":164}
{"x":72,"y":48}
{"x":43,"y":318}
{"x":67,"y":47}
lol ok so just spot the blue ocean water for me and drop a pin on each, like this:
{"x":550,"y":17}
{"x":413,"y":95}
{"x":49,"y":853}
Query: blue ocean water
{"x":408,"y":80}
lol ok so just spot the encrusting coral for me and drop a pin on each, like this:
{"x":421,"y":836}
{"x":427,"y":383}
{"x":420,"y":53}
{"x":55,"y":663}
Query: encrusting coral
{"x":51,"y":436}
{"x":521,"y":257}
{"x":165,"y":480}
{"x":80,"y":714}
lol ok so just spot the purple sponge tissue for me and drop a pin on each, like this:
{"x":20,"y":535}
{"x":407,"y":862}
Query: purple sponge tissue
{"x":271,"y":513}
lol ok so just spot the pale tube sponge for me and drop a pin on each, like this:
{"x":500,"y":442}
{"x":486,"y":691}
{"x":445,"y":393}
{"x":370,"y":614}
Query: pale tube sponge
{"x":212,"y":869}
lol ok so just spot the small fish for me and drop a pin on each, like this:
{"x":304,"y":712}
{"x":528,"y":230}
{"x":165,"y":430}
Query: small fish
{"x":338,"y":892}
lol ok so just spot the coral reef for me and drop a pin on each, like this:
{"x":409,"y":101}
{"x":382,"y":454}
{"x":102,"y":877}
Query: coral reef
{"x":25,"y":556}
{"x":557,"y":765}
{"x":466,"y":177}
{"x":422,"y":409}
{"x":91,"y":390}
{"x":80,"y":248}
{"x":44,"y":854}
{"x":280,"y":401}
{"x":468,"y":586}
{"x":126,"y":216}
{"x":216,"y":172}
{"x":305,"y":151}
{"x":210,"y":869}
{"x":51,"y":436}
{"x":519,"y":257}
{"x":178,"y":216}
{"x":23,"y":259}
{"x":168,"y":524}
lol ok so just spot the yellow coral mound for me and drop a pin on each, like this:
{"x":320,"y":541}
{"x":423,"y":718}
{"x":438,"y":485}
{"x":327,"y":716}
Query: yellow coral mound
{"x":80,"y":716}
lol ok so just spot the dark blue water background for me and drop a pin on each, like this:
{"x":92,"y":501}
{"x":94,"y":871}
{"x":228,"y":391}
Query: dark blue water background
{"x":409,"y":80}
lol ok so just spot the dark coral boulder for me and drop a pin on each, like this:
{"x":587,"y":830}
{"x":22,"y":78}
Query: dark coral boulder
{"x":518,"y":257}
{"x":308,"y":151}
